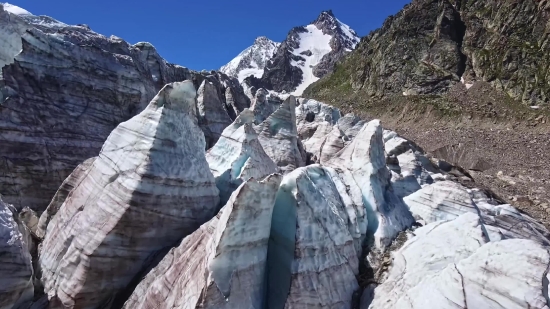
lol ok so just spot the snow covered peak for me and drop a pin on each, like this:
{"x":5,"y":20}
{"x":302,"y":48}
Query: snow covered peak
{"x":15,"y":9}
{"x":252,"y":60}
{"x":307,"y":54}
{"x":329,"y":24}
{"x":43,"y":22}
{"x":262,"y":40}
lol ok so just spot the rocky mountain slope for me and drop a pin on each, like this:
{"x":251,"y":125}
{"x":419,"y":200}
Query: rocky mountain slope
{"x":430,"y":45}
{"x":467,"y":81}
{"x":52,"y":118}
{"x":307,"y":54}
{"x":251,"y":61}
{"x":195,"y":201}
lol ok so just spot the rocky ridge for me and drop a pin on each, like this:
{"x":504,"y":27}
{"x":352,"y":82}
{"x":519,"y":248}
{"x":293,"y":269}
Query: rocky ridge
{"x":431,"y":45}
{"x":307,"y":54}
{"x":251,"y":61}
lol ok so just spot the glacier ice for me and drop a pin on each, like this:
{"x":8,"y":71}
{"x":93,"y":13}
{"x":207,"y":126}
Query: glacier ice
{"x":312,"y":257}
{"x":279,"y":137}
{"x":364,"y":159}
{"x":223,"y":263}
{"x":450,"y":264}
{"x":16,"y":272}
{"x":238,"y":156}
{"x":149,"y":187}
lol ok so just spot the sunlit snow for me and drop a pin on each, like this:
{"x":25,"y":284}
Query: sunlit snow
{"x":15,"y":9}
{"x":319,"y":44}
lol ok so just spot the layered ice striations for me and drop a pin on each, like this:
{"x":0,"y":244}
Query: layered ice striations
{"x":238,"y":156}
{"x":363,"y":164}
{"x":223,"y":263}
{"x":279,"y":137}
{"x":149,"y":187}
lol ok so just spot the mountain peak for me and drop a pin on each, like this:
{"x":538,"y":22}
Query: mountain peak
{"x":327,"y":13}
{"x":262,"y":40}
{"x":326,"y":17}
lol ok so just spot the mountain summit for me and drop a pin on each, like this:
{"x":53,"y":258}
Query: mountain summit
{"x":252,"y":60}
{"x":307,"y":54}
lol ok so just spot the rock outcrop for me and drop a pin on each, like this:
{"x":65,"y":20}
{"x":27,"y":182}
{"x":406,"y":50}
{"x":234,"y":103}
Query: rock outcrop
{"x":453,"y":265}
{"x":251,"y":61}
{"x":16,"y":272}
{"x":308,"y":53}
{"x":238,"y":156}
{"x":429,"y":46}
{"x":279,"y":137}
{"x":223,"y":263}
{"x":149,"y":187}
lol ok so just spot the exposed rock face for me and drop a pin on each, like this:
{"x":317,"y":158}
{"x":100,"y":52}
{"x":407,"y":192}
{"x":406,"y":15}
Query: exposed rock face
{"x":238,"y":156}
{"x":452,"y":265}
{"x":308,"y":53}
{"x":279,"y":137}
{"x":223,"y":263}
{"x":431,"y":45}
{"x":149,"y":187}
{"x":362,"y":162}
{"x":310,"y":220}
{"x":251,"y":61}
{"x":16,"y":272}
{"x":213,"y":118}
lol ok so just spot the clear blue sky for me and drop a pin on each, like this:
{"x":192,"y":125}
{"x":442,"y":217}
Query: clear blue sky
{"x":202,"y":34}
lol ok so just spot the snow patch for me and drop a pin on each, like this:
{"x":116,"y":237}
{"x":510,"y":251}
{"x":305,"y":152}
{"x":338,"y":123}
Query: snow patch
{"x":256,"y":72}
{"x":318,"y":43}
{"x":15,"y":9}
{"x":350,"y":34}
